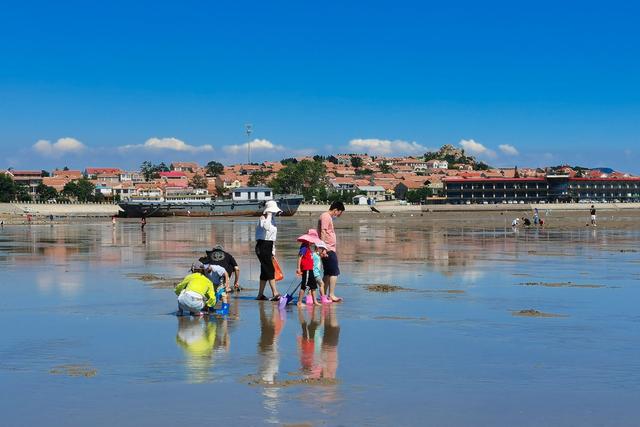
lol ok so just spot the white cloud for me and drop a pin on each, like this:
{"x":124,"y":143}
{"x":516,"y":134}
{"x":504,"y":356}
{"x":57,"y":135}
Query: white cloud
{"x":475,"y":148}
{"x":256,"y":144}
{"x":386,"y":147}
{"x":173,"y":144}
{"x":58,"y":148}
{"x":508,"y":149}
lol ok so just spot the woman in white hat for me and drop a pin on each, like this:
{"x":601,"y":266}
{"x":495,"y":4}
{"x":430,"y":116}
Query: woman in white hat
{"x":266,"y":233}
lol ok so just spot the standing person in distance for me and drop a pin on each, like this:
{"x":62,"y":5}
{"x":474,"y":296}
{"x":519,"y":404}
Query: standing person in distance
{"x":328,"y":236}
{"x":266,"y":234}
{"x":593,"y":216}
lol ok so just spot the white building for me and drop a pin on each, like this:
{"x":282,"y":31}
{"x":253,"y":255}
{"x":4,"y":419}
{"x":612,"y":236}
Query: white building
{"x":252,"y":193}
{"x":437,"y":164}
{"x":376,"y":192}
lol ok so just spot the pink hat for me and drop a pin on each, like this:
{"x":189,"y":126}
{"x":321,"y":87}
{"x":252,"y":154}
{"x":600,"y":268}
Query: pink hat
{"x":310,"y":237}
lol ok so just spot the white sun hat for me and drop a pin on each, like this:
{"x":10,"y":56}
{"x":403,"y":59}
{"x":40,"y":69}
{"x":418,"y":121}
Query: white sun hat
{"x":271,"y":207}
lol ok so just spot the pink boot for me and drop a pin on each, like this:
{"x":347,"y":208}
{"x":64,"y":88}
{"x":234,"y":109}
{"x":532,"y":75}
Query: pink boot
{"x":325,"y":299}
{"x":309,"y":300}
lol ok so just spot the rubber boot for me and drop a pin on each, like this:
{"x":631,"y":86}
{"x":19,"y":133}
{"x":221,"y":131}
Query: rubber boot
{"x":309,"y":300}
{"x":224,"y":310}
{"x":325,"y":299}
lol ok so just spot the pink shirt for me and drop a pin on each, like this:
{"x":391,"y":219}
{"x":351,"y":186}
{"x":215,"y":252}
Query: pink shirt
{"x":326,"y":232}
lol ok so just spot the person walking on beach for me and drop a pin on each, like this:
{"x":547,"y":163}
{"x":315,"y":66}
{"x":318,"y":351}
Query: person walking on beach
{"x":536,"y":216}
{"x":328,"y":236}
{"x":593,"y":216}
{"x":266,"y":234}
{"x":143,"y":222}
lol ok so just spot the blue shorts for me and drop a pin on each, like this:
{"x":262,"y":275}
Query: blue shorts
{"x":330,"y":264}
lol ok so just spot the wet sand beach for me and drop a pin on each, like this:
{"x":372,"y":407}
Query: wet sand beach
{"x":448,"y":319}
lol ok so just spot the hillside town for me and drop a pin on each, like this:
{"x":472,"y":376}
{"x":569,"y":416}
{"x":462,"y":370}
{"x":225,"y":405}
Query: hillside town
{"x":445,"y":176}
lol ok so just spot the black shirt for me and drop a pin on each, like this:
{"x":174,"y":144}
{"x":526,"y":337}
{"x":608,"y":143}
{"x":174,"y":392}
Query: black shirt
{"x":223,"y":259}
{"x":593,"y":211}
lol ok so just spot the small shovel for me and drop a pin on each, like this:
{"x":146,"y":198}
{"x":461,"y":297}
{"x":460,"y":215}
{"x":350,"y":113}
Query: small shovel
{"x":287,"y":297}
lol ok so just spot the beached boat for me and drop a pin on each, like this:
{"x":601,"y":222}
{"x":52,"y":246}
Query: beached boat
{"x":247,"y":201}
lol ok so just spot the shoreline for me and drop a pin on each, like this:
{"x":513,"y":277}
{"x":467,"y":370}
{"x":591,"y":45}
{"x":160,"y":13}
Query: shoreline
{"x":565,"y":213}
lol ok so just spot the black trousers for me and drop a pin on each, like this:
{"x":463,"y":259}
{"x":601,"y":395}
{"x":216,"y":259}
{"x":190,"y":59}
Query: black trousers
{"x":264,"y":251}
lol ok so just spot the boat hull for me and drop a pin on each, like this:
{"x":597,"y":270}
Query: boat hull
{"x":147,"y":208}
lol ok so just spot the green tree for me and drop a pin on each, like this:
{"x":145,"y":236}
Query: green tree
{"x":146,"y":169}
{"x":365,"y":171}
{"x":344,"y":197}
{"x":151,"y":171}
{"x":22,"y":193}
{"x":385,"y":167}
{"x":44,"y":173}
{"x":199,"y":181}
{"x":214,"y":168}
{"x":82,"y":190}
{"x":305,"y":177}
{"x":259,"y":178}
{"x":288,"y":161}
{"x":333,"y":159}
{"x":400,"y":191}
{"x":45,"y":192}
{"x":7,"y":189}
{"x":356,"y":162}
{"x":418,"y":195}
{"x":319,"y":158}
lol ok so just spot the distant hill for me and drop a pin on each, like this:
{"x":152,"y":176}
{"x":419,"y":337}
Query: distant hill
{"x":455,"y":155}
{"x":603,"y":170}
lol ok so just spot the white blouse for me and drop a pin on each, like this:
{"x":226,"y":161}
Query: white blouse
{"x":266,"y":229}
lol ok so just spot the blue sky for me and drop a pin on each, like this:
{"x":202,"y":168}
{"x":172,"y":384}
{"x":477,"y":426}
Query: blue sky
{"x":524,"y":84}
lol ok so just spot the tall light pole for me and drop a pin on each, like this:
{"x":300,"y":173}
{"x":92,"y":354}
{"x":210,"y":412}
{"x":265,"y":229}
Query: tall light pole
{"x":248,"y":128}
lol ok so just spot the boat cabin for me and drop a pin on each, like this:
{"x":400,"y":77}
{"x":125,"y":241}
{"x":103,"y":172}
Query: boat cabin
{"x":252,"y":193}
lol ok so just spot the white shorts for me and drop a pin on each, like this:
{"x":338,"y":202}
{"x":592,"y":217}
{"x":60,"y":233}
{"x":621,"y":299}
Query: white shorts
{"x":593,"y":217}
{"x":191,"y":301}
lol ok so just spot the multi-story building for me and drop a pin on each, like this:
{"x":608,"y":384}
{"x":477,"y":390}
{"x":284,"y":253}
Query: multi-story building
{"x":608,"y":189}
{"x":495,"y":190}
{"x":551,"y":188}
{"x":92,"y":173}
{"x":28,"y":178}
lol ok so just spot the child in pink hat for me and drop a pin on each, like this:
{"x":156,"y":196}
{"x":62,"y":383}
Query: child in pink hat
{"x":305,"y":267}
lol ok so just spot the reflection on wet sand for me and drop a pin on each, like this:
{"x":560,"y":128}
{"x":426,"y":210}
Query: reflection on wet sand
{"x":318,"y":349}
{"x":201,"y":339}
{"x":271,"y":324}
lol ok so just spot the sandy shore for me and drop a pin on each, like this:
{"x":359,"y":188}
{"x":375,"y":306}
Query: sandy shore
{"x":565,"y":215}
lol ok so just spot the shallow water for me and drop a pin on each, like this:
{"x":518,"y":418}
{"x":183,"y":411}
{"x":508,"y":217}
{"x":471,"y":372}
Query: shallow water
{"x":86,"y":342}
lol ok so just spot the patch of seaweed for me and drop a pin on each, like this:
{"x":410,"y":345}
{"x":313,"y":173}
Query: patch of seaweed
{"x":379,"y":287}
{"x":77,"y":370}
{"x":255,"y":380}
{"x":535,"y":313}
{"x":560,"y":285}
